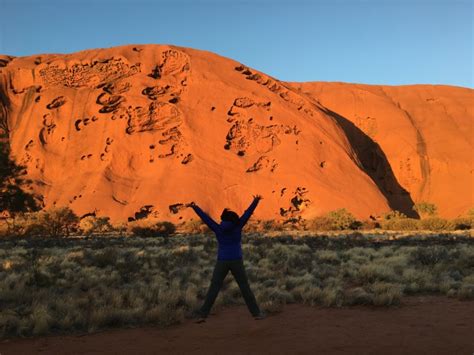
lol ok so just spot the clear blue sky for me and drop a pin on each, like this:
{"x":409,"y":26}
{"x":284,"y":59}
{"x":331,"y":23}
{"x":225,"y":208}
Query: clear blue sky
{"x":373,"y":41}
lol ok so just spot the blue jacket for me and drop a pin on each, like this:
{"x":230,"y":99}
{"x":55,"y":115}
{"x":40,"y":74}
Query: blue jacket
{"x":228,"y":234}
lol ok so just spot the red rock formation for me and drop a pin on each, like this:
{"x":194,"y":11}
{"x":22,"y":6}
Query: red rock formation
{"x":425,"y":132}
{"x":141,"y":129}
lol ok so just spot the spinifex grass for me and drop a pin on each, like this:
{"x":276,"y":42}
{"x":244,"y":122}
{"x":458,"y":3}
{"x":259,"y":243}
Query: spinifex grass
{"x":77,"y":285}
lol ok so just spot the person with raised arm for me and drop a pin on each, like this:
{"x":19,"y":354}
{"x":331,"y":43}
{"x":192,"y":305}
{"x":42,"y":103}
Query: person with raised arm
{"x":229,"y":257}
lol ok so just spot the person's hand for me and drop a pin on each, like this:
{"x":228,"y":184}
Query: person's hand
{"x":190,"y":204}
{"x":257,"y":197}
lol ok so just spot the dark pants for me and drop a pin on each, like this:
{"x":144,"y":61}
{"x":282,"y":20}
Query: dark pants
{"x":221,"y":269}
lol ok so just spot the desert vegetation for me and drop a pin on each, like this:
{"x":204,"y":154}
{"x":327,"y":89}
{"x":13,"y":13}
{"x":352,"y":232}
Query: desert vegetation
{"x":61,"y":222}
{"x":60,"y":273}
{"x":62,"y":285}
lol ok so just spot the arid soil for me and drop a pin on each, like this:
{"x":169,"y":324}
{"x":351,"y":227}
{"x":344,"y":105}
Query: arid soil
{"x":139,"y":130}
{"x":421,"y":325}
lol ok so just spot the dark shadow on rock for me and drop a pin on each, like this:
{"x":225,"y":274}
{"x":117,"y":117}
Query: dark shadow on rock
{"x":13,"y":197}
{"x":376,"y":166}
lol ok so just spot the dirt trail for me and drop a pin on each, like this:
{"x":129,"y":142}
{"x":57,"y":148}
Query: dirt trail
{"x":422,"y":325}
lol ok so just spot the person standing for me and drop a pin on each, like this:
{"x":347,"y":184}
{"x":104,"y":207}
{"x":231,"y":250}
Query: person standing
{"x":229,"y":257}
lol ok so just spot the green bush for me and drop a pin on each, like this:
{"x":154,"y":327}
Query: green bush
{"x":425,"y":209}
{"x":157,"y":229}
{"x":402,"y":224}
{"x":395,"y":220}
{"x":340,"y":219}
{"x":343,"y":219}
{"x":91,"y":224}
{"x":434,"y":224}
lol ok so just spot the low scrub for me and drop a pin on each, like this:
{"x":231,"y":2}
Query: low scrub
{"x":83,"y":285}
{"x":53,"y":222}
{"x":340,"y":219}
{"x":146,"y":228}
{"x":95,"y":225}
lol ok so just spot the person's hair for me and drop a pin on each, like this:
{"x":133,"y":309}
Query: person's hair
{"x":230,"y":216}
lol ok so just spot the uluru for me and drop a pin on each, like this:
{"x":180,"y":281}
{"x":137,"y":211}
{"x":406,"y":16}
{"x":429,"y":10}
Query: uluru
{"x":143,"y":129}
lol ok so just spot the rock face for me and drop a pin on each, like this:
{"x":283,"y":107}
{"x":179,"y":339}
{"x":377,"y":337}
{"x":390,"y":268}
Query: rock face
{"x":424,"y":131}
{"x":133,"y":131}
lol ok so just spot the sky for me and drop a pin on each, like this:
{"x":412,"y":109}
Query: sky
{"x":392,"y":42}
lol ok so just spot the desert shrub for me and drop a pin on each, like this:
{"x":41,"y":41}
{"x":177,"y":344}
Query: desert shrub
{"x":91,"y":224}
{"x":395,"y":220}
{"x":373,"y":272}
{"x":53,"y":222}
{"x":402,"y":224}
{"x":429,"y":255}
{"x":425,"y":209}
{"x":194,"y":227}
{"x":23,"y":224}
{"x":334,"y":220}
{"x":264,"y":226}
{"x":461,"y":223}
{"x":320,"y":223}
{"x":466,"y":292}
{"x":386,"y":294}
{"x":119,"y":227}
{"x":57,"y":221}
{"x":357,"y":295}
{"x":332,"y":296}
{"x":270,"y":225}
{"x":343,"y":219}
{"x":369,"y":224}
{"x":103,"y":258}
{"x":434,"y":224}
{"x":155,"y":229}
{"x":49,"y":286}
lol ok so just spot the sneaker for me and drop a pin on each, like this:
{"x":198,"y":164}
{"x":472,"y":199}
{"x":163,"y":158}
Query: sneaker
{"x":199,"y":317}
{"x":260,"y":316}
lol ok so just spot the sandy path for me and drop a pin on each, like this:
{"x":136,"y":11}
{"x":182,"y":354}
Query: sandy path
{"x":423,"y":325}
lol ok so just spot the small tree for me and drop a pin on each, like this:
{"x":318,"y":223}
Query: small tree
{"x":13,"y":195}
{"x":57,"y":221}
{"x":91,"y":224}
{"x":425,"y":209}
{"x":343,"y":219}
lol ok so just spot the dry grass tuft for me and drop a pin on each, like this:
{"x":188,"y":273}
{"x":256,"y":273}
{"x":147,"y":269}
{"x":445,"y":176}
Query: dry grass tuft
{"x":63,"y":286}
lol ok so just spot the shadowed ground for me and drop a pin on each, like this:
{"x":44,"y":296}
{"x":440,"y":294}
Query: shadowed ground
{"x":422,"y":325}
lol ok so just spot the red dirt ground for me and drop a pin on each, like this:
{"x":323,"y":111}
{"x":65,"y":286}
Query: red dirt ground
{"x":422,"y":325}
